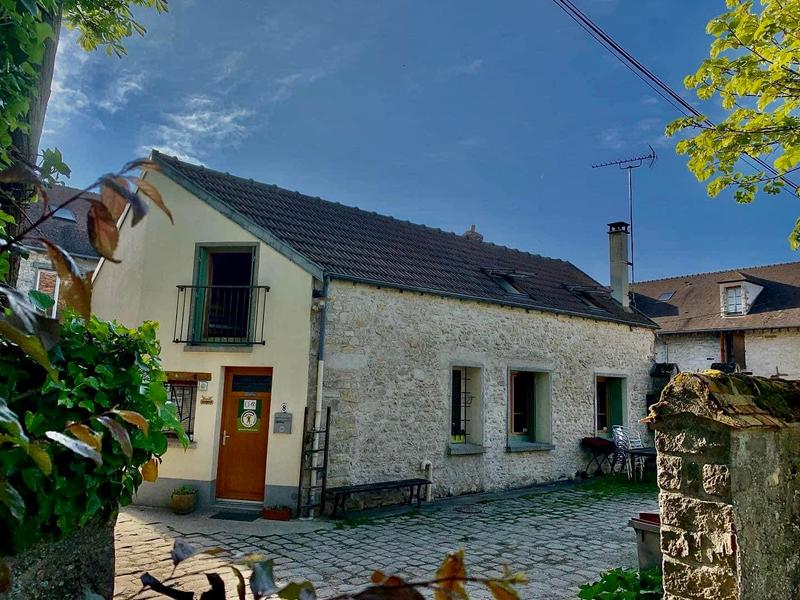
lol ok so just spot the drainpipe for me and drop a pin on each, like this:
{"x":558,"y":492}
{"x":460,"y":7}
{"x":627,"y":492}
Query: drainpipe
{"x":320,"y":381}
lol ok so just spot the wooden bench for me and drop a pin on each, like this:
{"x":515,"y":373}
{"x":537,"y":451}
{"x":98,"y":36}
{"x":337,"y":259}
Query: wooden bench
{"x":342,"y":493}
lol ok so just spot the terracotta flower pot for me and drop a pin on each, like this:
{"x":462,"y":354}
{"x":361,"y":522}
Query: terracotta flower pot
{"x":183,"y":504}
{"x":276,"y":514}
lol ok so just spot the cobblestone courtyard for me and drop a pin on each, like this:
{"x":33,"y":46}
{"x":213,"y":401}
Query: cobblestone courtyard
{"x":560,"y":537}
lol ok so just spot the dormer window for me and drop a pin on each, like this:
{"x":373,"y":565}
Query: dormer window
{"x":733,"y":300}
{"x":666,"y":296}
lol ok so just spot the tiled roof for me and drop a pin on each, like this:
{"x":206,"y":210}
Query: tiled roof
{"x":70,"y":235}
{"x":352,"y":244}
{"x":735,"y":400}
{"x":695,"y":304}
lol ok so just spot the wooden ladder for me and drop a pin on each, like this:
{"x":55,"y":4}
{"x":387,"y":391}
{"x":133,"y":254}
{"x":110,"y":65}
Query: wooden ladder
{"x":311,"y":493}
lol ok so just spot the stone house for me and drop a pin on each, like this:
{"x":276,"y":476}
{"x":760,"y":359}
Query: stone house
{"x":438,"y":354}
{"x":67,"y":228}
{"x":748,"y":317}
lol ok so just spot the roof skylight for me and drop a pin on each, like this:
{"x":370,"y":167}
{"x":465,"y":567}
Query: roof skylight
{"x":666,"y":296}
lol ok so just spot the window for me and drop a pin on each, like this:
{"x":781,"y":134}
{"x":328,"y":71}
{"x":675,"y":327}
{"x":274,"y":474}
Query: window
{"x":183,"y":394}
{"x":666,"y":296}
{"x":65,"y":214}
{"x":529,"y":407}
{"x":609,"y":403}
{"x":465,"y":405}
{"x":733,"y":300}
{"x":224,"y":293}
{"x":47,"y":282}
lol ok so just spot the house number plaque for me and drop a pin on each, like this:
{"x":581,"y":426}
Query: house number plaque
{"x":248,"y":415}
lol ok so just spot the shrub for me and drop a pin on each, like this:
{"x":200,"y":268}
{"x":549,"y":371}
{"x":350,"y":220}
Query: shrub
{"x":77,"y":441}
{"x":624,"y":584}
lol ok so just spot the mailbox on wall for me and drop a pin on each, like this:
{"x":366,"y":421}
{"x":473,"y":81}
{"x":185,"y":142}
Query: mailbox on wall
{"x":283,"y":423}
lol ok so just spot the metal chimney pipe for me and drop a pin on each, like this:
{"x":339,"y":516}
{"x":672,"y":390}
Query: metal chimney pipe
{"x":618,"y":258}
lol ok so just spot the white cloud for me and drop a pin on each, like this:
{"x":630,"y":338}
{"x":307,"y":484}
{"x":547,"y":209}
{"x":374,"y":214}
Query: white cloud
{"x":467,"y":68}
{"x":66,"y":92}
{"x":117,"y":92}
{"x":612,"y":138}
{"x":285,"y":86}
{"x":201,"y":127}
{"x":229,"y":65}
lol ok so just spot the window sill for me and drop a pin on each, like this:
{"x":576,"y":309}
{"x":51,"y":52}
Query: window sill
{"x":465,"y":449}
{"x":173,"y":442}
{"x":217,"y":348}
{"x":529,"y":447}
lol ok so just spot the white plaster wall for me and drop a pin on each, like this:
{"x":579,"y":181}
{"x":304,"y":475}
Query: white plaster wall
{"x":156,"y":256}
{"x":692,"y":352}
{"x":387,"y":376}
{"x":766,"y":351}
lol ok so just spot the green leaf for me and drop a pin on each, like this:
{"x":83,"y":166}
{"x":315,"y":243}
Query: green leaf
{"x":10,"y":422}
{"x":78,"y":447}
{"x":12,"y":500}
{"x":298,"y":591}
{"x":41,"y":300}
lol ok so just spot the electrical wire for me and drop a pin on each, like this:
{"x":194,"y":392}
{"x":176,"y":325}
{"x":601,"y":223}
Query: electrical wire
{"x":653,"y":81}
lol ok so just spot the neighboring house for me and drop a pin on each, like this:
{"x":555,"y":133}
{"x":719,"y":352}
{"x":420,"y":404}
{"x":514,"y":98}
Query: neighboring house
{"x":427,"y":345}
{"x":746,"y":317}
{"x":67,"y":228}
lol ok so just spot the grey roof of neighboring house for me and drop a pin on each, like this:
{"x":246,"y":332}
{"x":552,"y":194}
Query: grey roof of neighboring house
{"x":70,"y":235}
{"x":695,"y":304}
{"x":342,"y":242}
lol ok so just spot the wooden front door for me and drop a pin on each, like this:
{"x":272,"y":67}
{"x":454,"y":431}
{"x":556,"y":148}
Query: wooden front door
{"x":241,"y":470}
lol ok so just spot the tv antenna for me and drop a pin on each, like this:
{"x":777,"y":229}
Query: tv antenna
{"x":630,"y":164}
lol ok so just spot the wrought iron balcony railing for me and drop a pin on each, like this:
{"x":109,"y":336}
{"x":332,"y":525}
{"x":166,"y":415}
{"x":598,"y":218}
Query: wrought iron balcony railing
{"x":220,"y":314}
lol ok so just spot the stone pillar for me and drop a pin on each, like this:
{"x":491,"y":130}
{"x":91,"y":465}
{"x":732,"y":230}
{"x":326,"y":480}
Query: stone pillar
{"x":728,"y":459}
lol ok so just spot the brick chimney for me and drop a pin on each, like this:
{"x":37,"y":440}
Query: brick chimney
{"x":472,"y":234}
{"x":618,"y":257}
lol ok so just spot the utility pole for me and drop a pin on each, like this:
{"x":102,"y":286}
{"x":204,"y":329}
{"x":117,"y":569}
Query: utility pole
{"x":630,"y":164}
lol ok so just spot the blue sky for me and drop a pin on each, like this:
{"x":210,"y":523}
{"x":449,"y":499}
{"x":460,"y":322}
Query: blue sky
{"x":445,"y":113}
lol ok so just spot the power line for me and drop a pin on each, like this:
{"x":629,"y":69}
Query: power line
{"x":649,"y":78}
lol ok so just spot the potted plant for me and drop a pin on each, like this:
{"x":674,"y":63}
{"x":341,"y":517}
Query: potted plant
{"x":277,"y":512}
{"x":183,"y":500}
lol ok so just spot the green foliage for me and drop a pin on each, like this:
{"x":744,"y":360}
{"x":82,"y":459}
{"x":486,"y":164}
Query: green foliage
{"x":184,"y":489}
{"x":624,"y":584}
{"x":754,"y":69}
{"x":72,"y":447}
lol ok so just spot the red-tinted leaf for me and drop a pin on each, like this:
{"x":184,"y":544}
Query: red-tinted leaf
{"x":149,"y":190}
{"x":20,"y":173}
{"x":451,"y":575}
{"x":76,"y":290}
{"x":133,"y":417}
{"x":119,"y":186}
{"x":86,"y":435}
{"x":103,"y":233}
{"x":241,"y":588}
{"x":150,"y":471}
{"x":501,"y":591}
{"x":119,"y":433}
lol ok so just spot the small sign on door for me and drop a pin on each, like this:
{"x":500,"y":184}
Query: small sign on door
{"x":249,"y":415}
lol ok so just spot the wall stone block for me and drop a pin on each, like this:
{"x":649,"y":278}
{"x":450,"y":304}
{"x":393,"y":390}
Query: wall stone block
{"x":717,"y":480}
{"x":695,"y":515}
{"x":699,"y":583}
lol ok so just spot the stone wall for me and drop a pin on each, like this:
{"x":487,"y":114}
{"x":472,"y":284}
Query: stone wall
{"x":691,"y":352}
{"x":767,"y":352}
{"x":728,"y":463}
{"x":389,"y":356}
{"x":36,"y":260}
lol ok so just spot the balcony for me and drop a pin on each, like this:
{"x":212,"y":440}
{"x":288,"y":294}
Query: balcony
{"x":224,"y":315}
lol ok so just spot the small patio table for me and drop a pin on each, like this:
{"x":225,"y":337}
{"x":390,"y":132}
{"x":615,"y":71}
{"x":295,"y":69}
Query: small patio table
{"x":645,"y":453}
{"x":601,"y":450}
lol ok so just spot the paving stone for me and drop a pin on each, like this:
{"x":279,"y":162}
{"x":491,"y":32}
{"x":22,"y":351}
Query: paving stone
{"x":561,"y":539}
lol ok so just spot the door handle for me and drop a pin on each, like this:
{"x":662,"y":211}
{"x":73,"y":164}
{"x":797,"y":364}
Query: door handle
{"x":225,"y":436}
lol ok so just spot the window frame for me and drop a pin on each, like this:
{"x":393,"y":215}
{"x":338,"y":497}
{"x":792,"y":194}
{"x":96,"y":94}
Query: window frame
{"x":56,"y":289}
{"x":199,"y":308}
{"x":473,"y":436}
{"x":192,"y":418}
{"x":540,"y":434}
{"x":728,"y":290}
{"x":624,"y":401}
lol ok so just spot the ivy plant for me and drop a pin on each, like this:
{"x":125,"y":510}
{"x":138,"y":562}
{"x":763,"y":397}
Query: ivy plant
{"x":76,"y":446}
{"x":624,"y":584}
